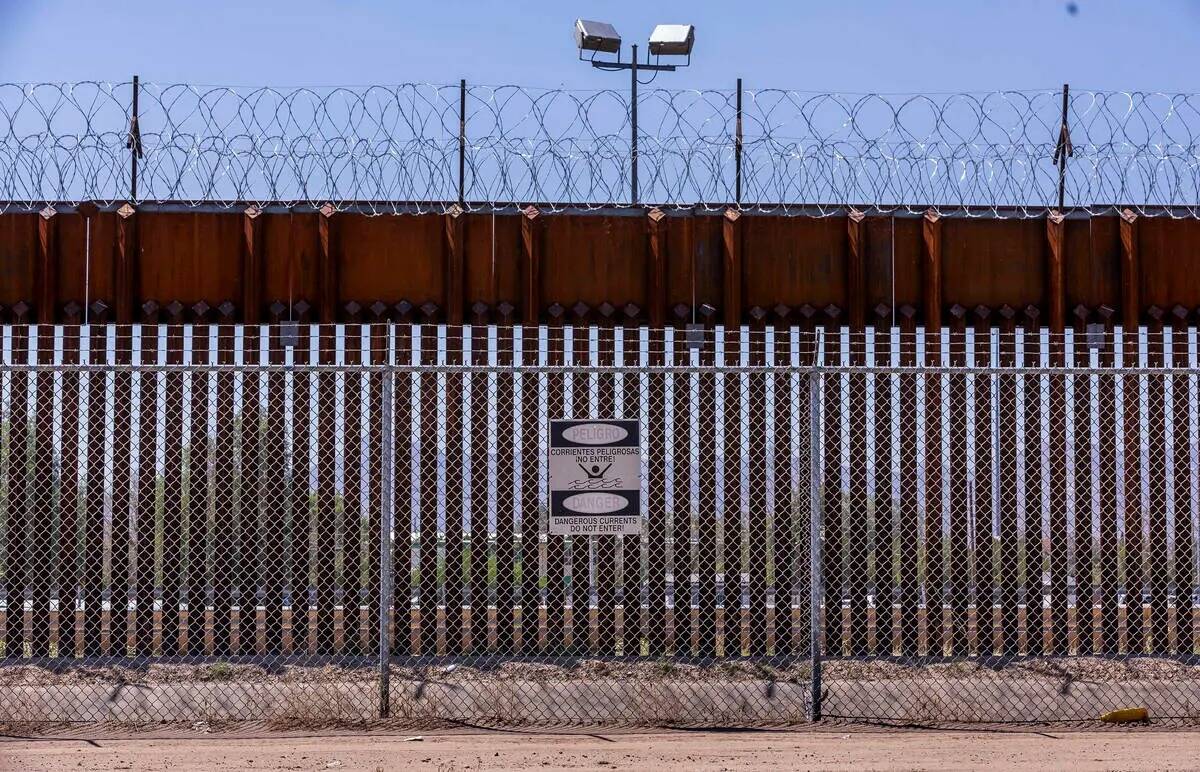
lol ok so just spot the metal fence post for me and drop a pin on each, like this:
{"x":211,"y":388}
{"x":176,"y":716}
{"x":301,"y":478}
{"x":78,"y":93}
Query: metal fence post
{"x":633,"y":131}
{"x":737,"y":150}
{"x":134,"y":142}
{"x":816,"y":559}
{"x":1063,"y":149}
{"x":462,"y":142}
{"x":386,"y":518}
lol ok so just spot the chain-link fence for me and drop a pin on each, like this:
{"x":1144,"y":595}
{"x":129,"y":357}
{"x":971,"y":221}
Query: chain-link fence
{"x":172,"y":545}
{"x":418,"y":147}
{"x":303,"y":524}
{"x":1012,"y":528}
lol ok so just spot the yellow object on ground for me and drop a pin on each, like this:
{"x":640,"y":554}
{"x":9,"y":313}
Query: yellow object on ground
{"x":1125,"y":715}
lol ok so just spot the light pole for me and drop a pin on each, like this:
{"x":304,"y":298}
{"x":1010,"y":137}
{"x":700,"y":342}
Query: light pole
{"x":666,"y":40}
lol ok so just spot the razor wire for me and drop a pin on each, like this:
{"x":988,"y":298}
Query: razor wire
{"x":386,"y":149}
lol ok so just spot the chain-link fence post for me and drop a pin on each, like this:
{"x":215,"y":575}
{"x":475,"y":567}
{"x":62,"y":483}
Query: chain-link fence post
{"x":816,"y":560}
{"x":386,"y":518}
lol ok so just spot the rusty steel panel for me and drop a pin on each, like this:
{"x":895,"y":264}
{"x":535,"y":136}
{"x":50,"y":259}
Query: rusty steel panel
{"x":389,"y":258}
{"x":493,"y":259}
{"x":1092,"y":270}
{"x":18,"y":252}
{"x":594,"y":260}
{"x":289,"y":256}
{"x":794,"y":260}
{"x":1169,"y":253}
{"x":879,"y":272}
{"x":86,"y":265}
{"x":893,"y":252}
{"x":189,"y":257}
{"x":994,"y":262}
{"x":782,"y":263}
{"x":694,"y":264}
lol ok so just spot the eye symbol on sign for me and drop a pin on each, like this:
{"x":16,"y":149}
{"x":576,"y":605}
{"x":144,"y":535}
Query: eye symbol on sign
{"x":595,"y":472}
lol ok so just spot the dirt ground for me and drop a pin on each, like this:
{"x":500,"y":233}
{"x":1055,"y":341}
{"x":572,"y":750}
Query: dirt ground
{"x":828,"y":747}
{"x":598,"y":693}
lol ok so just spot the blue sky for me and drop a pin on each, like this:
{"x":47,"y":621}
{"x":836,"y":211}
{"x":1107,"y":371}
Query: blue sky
{"x":934,"y":45}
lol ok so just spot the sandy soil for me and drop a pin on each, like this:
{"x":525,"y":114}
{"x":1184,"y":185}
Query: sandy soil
{"x":826,"y":748}
{"x":600,"y":693}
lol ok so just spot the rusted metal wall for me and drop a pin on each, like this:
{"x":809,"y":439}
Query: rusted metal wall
{"x":173,"y":264}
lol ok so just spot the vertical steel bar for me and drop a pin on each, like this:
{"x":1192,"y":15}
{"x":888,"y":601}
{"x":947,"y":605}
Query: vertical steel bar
{"x":633,"y":128}
{"x":816,"y":560}
{"x":385,"y":528}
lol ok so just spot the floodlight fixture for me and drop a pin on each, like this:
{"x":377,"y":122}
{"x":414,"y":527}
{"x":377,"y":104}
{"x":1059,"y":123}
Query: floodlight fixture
{"x":666,"y":40}
{"x":672,"y":40}
{"x":597,"y":36}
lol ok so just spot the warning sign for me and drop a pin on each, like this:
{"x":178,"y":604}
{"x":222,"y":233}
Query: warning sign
{"x":595,"y":478}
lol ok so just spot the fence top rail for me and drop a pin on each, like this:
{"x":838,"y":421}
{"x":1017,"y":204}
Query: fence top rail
{"x":946,"y":337}
{"x":909,"y":210}
{"x":403,"y":368}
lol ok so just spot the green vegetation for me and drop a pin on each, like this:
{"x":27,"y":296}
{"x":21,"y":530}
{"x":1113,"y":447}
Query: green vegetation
{"x":314,"y":535}
{"x":185,"y":517}
{"x":160,"y":506}
{"x":364,"y":548}
{"x":5,"y":492}
{"x":210,"y":519}
{"x":81,"y":519}
{"x":465,"y":565}
{"x":218,"y":671}
{"x":235,"y":503}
